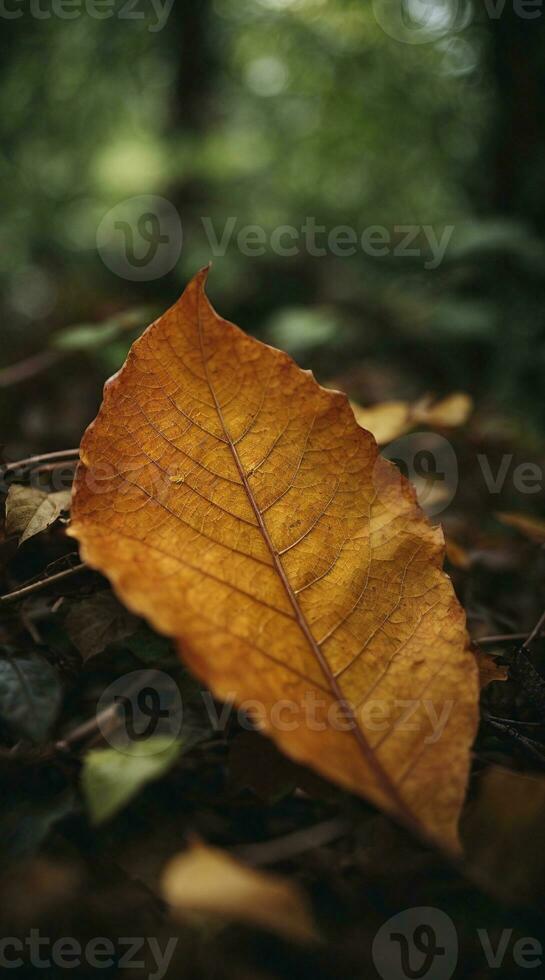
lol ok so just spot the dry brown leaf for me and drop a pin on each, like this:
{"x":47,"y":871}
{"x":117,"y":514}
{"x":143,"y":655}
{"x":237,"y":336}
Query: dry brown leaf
{"x":531,"y":527}
{"x":390,"y":420}
{"x":29,"y":510}
{"x":489,"y":669}
{"x":96,"y":621}
{"x":210,"y":882}
{"x":293,"y":563}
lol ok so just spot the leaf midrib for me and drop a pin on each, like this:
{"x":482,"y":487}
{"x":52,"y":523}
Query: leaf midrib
{"x":380,"y":773}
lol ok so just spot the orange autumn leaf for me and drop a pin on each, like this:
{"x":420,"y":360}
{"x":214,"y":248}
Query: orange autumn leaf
{"x":239,"y":507}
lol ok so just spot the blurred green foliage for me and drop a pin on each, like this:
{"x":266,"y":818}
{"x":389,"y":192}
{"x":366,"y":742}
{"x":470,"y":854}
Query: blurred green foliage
{"x":269,"y":111}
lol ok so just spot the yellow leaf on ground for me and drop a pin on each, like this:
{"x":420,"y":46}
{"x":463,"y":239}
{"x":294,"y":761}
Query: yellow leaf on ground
{"x":449,"y":412}
{"x":210,"y":882}
{"x":293,"y":563}
{"x":387,"y":420}
{"x":390,"y":420}
{"x":531,"y":527}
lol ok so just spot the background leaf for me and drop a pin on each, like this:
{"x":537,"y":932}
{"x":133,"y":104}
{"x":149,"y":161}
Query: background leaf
{"x":29,"y":510}
{"x":208,"y":881}
{"x":96,"y":621}
{"x":30,"y":694}
{"x":111,"y":778}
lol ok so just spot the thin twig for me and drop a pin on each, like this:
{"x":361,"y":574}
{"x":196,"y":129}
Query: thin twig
{"x":534,"y":748}
{"x":43,"y":458}
{"x":535,"y":632}
{"x":43,"y":583}
{"x":51,"y":467}
{"x":29,"y":368}
{"x":291,"y":845}
{"x":501,"y":638}
{"x":95,"y":725}
{"x":87,"y":728}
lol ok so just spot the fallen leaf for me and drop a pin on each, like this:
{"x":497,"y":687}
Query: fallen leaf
{"x":387,"y":420}
{"x":392,"y":419}
{"x":26,"y":821}
{"x":504,"y":834}
{"x":30,"y":694}
{"x":111,"y":778}
{"x":531,"y":527}
{"x":29,"y":510}
{"x":95,"y":622}
{"x":448,"y":413}
{"x":210,"y":882}
{"x":293,"y":564}
{"x":489,"y":669}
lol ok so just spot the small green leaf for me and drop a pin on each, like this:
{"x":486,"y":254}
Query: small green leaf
{"x":111,"y":778}
{"x":29,"y":510}
{"x":84,"y":336}
{"x":30,"y":694}
{"x":90,"y":336}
